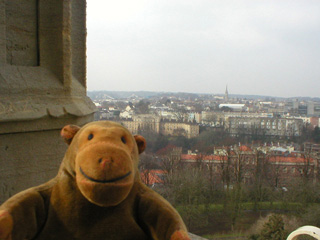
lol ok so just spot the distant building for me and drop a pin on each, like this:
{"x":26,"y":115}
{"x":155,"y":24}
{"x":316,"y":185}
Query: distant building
{"x":295,"y":105}
{"x":286,"y":127}
{"x":107,"y":114}
{"x":149,"y":122}
{"x":313,"y":109}
{"x":175,"y":128}
{"x":281,"y":168}
{"x":314,"y":122}
{"x":142,"y":122}
{"x":126,"y":114}
{"x":226,"y":95}
{"x":313,"y":149}
{"x":234,"y":106}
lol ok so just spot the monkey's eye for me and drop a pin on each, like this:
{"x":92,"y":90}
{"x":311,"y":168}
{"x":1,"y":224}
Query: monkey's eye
{"x":90,"y":136}
{"x":123,"y":139}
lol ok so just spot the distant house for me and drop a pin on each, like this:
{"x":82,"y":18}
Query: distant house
{"x":126,"y":114}
{"x":287,"y":127}
{"x":280,"y":165}
{"x":149,"y":122}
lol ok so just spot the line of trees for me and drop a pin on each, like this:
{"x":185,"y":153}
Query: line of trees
{"x":209,"y":138}
{"x":231,"y":183}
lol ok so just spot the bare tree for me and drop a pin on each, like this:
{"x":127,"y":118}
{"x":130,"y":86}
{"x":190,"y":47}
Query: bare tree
{"x":306,"y":191}
{"x":142,"y":107}
{"x":179,"y":115}
{"x":307,"y":167}
{"x":275,"y":171}
{"x":146,"y":165}
{"x":211,"y":166}
{"x":225,"y":165}
{"x":180,"y":132}
{"x":184,"y":191}
{"x":238,"y":176}
{"x":170,"y":159}
{"x":199,"y":161}
{"x":260,"y":171}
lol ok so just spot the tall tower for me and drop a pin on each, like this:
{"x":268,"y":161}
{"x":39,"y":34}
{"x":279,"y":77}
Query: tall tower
{"x":226,"y":96}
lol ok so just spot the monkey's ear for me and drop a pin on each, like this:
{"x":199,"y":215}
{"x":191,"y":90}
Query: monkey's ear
{"x":68,"y":132}
{"x":141,"y":142}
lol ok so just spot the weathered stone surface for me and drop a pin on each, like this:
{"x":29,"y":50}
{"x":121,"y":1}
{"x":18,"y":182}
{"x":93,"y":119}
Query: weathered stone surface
{"x":22,"y":108}
{"x":28,"y":159}
{"x":21,"y":32}
{"x":42,"y":87}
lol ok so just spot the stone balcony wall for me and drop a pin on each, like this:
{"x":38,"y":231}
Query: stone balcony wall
{"x":42,"y":87}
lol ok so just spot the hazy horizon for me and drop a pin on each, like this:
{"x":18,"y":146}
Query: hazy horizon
{"x":217,"y":94}
{"x":266,"y":48}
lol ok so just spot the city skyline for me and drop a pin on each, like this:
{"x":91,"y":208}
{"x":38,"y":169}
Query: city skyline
{"x":266,"y":48}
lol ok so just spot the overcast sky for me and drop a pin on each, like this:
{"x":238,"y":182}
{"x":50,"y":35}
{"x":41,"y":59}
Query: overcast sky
{"x":261,"y":47}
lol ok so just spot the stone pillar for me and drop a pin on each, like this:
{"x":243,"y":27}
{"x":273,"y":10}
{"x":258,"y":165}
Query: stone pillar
{"x":42,"y":87}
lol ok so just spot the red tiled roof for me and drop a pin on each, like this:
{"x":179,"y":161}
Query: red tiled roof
{"x":151,"y":177}
{"x":244,"y":148}
{"x":279,"y":159}
{"x":289,"y":159}
{"x":202,"y":157}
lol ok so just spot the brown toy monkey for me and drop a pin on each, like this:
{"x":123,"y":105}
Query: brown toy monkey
{"x":97,"y":194}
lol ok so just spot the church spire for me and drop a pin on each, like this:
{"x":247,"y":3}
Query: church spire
{"x":226,"y":96}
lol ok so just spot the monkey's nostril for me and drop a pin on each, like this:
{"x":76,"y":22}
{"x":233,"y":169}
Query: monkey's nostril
{"x":100,"y":160}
